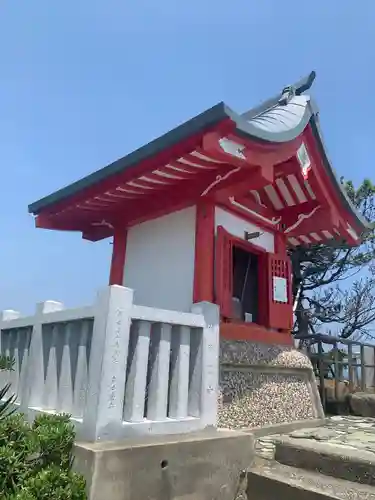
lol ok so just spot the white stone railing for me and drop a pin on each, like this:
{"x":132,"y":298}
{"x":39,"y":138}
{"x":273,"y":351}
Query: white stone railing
{"x":119,"y":369}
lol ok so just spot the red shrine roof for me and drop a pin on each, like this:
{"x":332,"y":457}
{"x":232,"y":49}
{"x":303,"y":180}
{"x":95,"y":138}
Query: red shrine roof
{"x":269,"y":162}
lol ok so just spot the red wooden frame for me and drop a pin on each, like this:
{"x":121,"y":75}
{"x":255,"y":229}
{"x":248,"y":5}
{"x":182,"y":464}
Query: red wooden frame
{"x":279,"y":314}
{"x":274,"y":318}
{"x":223,"y":290}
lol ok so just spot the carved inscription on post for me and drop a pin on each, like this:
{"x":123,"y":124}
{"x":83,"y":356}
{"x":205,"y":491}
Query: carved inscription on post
{"x":210,"y":367}
{"x":115,"y":357}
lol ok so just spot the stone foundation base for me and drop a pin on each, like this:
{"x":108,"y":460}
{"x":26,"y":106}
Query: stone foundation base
{"x":264,"y":385}
{"x":362,"y":404}
{"x":196,"y":466}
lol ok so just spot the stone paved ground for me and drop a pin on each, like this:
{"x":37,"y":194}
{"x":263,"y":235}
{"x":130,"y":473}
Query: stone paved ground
{"x":356,"y":432}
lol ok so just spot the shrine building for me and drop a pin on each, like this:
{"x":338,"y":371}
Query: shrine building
{"x":208,"y":211}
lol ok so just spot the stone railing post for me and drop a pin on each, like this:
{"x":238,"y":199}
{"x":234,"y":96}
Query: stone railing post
{"x":209,"y":390}
{"x":369,"y":371}
{"x":7,"y":315}
{"x":103,"y":412}
{"x":32,"y":394}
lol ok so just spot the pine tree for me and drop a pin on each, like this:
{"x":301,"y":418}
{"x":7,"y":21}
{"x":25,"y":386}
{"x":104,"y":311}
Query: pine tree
{"x":335,"y":284}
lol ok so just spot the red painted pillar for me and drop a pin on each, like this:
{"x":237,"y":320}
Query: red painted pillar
{"x":204,"y":253}
{"x":118,"y":256}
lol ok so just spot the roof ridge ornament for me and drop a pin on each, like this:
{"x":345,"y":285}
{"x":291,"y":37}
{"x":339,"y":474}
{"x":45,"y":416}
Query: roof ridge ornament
{"x":287,"y":93}
{"x":305,"y":83}
{"x":299,"y":88}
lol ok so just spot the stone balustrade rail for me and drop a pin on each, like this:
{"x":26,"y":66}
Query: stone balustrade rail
{"x":119,"y":369}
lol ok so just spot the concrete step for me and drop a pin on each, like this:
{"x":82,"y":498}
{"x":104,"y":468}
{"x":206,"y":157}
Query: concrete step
{"x":272,"y":481}
{"x":332,"y":459}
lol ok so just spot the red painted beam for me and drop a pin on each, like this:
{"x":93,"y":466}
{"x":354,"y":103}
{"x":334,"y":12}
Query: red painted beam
{"x":248,"y":202}
{"x":242,"y":182}
{"x":97,"y":233}
{"x":251,"y":152}
{"x":43,"y":221}
{"x":246,"y":210}
{"x":316,"y":220}
{"x":289,"y":167}
{"x":289,"y":214}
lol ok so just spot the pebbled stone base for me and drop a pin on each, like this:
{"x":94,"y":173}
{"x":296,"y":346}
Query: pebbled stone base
{"x":265,"y":384}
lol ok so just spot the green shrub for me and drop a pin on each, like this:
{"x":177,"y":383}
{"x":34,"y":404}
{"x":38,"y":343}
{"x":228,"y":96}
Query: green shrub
{"x":36,"y":459}
{"x":52,"y":482}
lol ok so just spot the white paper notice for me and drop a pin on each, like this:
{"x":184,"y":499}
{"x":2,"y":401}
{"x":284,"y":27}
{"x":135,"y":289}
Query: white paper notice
{"x":280,"y":292}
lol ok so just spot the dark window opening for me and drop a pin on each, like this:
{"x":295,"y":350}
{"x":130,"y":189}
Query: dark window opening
{"x":245,"y":304}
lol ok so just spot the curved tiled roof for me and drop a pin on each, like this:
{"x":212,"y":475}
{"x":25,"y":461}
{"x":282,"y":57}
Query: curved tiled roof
{"x":279,"y":123}
{"x":284,"y":118}
{"x":280,"y":119}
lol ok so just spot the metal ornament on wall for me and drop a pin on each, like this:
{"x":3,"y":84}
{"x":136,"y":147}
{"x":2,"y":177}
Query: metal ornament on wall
{"x":253,"y":235}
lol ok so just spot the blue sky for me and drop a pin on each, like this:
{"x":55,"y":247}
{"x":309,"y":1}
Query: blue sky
{"x":85,"y":82}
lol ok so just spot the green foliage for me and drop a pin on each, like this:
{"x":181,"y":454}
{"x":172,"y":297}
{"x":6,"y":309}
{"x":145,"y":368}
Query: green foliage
{"x":6,"y":403}
{"x":6,"y":363}
{"x":52,"y":482}
{"x":36,"y":459}
{"x":55,"y":439}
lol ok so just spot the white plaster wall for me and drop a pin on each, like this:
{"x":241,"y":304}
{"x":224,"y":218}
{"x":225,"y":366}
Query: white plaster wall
{"x":159,"y":263}
{"x":237,"y":226}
